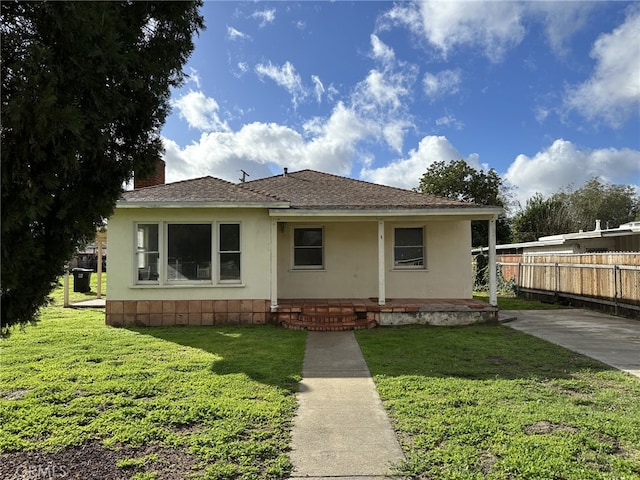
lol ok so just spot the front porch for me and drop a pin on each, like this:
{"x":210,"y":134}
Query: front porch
{"x":360,"y":313}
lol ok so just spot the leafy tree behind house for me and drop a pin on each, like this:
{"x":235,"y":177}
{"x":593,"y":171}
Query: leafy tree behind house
{"x":458,"y":180}
{"x":85,"y":90}
{"x":541,"y":217}
{"x":570,"y":211}
{"x":612,"y":204}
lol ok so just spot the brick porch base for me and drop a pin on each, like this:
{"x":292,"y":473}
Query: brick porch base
{"x":353,"y":314}
{"x":301,"y":314}
{"x":156,"y":313}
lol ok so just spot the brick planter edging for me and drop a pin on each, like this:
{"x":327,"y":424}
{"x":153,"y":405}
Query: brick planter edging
{"x":157,"y":313}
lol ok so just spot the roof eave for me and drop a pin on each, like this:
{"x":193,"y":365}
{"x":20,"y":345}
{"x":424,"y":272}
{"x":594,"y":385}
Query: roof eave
{"x":478,"y":213}
{"x":198,"y":204}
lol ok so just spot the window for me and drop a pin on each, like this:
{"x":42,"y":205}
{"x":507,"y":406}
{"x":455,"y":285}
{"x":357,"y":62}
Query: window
{"x":308,"y":248}
{"x":229,"y":252}
{"x":203,"y":253}
{"x":147,"y":252}
{"x":408,"y":248}
{"x":188,"y":252}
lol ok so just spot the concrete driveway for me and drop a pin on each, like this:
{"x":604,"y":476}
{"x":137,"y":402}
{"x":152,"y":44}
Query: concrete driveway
{"x":612,"y":340}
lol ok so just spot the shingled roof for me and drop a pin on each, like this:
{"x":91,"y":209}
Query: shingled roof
{"x":198,"y":190}
{"x":304,"y":190}
{"x":309,"y":189}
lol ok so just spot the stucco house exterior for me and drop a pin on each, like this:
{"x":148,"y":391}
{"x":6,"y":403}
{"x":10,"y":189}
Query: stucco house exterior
{"x":293,"y":248}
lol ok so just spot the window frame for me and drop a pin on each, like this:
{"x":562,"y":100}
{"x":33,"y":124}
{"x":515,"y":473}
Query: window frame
{"x":220,"y":252}
{"x":163,"y":256}
{"x":137,"y":251}
{"x":165,"y":259}
{"x":294,"y":266}
{"x":423,"y":246}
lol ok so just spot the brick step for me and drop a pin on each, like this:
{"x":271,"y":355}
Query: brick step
{"x":327,"y":317}
{"x":323,"y":322}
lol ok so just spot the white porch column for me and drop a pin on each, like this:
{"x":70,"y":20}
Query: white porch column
{"x":381,"y":265}
{"x":493,"y":291}
{"x":273,"y":282}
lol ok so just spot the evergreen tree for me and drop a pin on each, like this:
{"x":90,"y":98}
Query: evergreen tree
{"x":85,"y":90}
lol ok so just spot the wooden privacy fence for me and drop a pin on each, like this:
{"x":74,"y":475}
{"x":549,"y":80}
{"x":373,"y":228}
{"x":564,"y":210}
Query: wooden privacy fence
{"x":607,"y":278}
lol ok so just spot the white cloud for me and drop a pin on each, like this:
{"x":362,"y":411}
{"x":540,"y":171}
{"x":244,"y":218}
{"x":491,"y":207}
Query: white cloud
{"x":561,"y":20}
{"x":285,"y":76}
{"x":493,"y":27}
{"x":381,"y":51}
{"x":612,"y":93}
{"x":194,"y":77}
{"x":382,"y":99}
{"x":318,"y":87}
{"x":562,"y":164}
{"x":407,"y":172}
{"x":200,"y":111}
{"x":446,"y":82}
{"x":241,"y":69}
{"x":234,"y":34}
{"x":449,"y":120}
{"x":330,"y":146}
{"x":265,"y":16}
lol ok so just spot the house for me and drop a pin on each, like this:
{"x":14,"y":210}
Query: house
{"x":625,"y":238}
{"x":306,"y":249}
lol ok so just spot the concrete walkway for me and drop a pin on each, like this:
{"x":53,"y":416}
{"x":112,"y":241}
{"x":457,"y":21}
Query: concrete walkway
{"x":612,"y":340}
{"x":341,"y":430}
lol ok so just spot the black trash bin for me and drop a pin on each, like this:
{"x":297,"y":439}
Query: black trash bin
{"x":81,"y":279}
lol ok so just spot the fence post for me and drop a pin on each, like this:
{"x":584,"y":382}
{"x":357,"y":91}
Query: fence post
{"x":616,"y":276}
{"x":556,"y":278}
{"x":65,"y":301}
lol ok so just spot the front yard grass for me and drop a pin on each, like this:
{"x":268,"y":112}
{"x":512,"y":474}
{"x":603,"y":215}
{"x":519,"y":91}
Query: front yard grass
{"x":99,"y":402}
{"x":487,"y":402}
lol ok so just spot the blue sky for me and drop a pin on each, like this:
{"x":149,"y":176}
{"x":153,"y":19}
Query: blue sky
{"x":546,"y":93}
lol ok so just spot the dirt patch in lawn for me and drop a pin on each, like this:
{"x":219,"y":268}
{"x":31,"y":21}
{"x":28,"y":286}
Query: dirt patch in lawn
{"x":543,"y":427}
{"x":93,"y":461}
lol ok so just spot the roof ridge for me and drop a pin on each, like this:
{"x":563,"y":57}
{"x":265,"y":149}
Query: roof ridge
{"x":404,"y":190}
{"x":186,"y":180}
{"x":259,"y":191}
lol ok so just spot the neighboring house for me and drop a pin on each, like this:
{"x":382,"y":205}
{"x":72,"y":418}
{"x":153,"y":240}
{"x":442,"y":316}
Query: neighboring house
{"x":625,"y":238}
{"x":293,"y":248}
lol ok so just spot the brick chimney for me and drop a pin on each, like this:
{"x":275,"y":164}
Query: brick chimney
{"x":152,"y":179}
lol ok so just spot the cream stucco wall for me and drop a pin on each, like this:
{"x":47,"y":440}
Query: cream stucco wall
{"x":448,"y":272}
{"x":255,"y":254}
{"x":351,"y":268}
{"x":350,"y":257}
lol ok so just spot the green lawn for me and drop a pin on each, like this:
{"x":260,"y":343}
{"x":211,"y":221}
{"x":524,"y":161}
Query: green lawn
{"x":217,"y":402}
{"x":492,"y":403}
{"x":58,"y":294}
{"x":214,"y":402}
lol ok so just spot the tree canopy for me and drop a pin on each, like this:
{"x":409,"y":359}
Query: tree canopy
{"x":85,"y":90}
{"x":612,"y":204}
{"x":458,"y":180}
{"x":569,"y":210}
{"x":541,"y":217}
